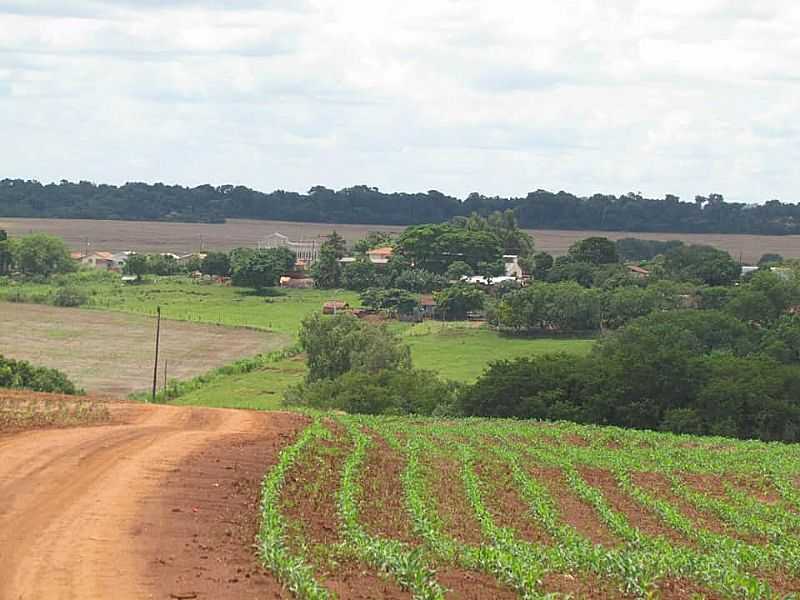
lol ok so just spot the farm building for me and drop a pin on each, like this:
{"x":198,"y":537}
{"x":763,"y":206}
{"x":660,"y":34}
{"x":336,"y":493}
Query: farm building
{"x":306,"y":251}
{"x":297,"y":283}
{"x":511,"y":262}
{"x":331,"y":307}
{"x":99,"y":260}
{"x":380,"y":256}
{"x":638,"y":272}
{"x":427,"y":305}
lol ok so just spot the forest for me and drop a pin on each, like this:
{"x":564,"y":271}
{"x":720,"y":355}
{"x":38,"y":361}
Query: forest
{"x":363,"y":204}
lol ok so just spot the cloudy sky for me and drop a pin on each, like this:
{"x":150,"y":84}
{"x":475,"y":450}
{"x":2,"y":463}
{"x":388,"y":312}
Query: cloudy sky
{"x":502,"y":97}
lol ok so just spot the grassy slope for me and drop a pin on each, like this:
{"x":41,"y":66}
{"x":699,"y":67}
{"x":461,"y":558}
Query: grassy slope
{"x":458,"y":351}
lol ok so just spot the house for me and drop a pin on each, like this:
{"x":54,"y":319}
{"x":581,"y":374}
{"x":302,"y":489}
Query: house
{"x":306,"y":251}
{"x":184,"y":259}
{"x":511,"y":262}
{"x":297,"y":283}
{"x":331,"y":307}
{"x":486,"y":281}
{"x":99,"y":260}
{"x":427,"y":305}
{"x":782,"y":272}
{"x":380,"y":256}
{"x":638,"y":272}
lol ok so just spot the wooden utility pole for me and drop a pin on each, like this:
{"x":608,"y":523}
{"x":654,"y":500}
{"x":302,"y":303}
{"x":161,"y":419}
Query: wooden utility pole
{"x":155,"y":361}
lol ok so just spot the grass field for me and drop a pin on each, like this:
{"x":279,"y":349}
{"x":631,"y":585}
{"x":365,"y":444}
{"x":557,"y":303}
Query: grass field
{"x":192,"y":237}
{"x":458,"y":351}
{"x":112,"y":353}
{"x":461,"y":351}
{"x":504,"y":509}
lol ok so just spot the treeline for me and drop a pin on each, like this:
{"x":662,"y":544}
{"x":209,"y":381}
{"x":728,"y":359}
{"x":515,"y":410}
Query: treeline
{"x":368,"y":205}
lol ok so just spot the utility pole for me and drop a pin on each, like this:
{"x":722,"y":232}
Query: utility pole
{"x":155,"y":361}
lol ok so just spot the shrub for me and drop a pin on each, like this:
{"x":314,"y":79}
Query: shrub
{"x":22,"y":374}
{"x":70,"y":296}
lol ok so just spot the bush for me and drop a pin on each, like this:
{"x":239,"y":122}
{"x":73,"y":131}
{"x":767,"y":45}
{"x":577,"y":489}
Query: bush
{"x":22,"y":374}
{"x":458,"y":300}
{"x":390,"y":391}
{"x":335,"y":345}
{"x":70,"y":296}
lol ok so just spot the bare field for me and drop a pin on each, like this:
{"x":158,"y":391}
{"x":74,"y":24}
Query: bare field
{"x":145,"y":236}
{"x":112,"y":353}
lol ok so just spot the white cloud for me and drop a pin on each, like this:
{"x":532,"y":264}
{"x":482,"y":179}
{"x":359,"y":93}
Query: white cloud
{"x":505,"y":97}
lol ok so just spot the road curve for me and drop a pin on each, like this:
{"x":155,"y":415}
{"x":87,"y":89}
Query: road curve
{"x":71,"y":499}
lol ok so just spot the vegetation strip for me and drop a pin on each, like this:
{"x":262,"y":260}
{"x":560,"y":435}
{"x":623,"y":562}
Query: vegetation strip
{"x":407,"y":566}
{"x":275,"y":554}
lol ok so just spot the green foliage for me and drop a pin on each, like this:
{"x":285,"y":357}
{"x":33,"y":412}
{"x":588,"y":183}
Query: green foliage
{"x":456,"y":301}
{"x":567,"y":269}
{"x":701,"y":263}
{"x":636,"y":250}
{"x":359,"y":275}
{"x":435,"y":247}
{"x":22,"y":374}
{"x":390,"y":299}
{"x":420,"y":281}
{"x":504,"y":226}
{"x":563,"y":306}
{"x":374,"y":239}
{"x":594,"y":251}
{"x":770,"y":258}
{"x":335,"y":345}
{"x":5,"y":253}
{"x":41,"y":254}
{"x":459,"y":269}
{"x":542,"y":263}
{"x":336,"y":243}
{"x":70,"y":296}
{"x":389,"y":391}
{"x":263,"y":268}
{"x":136,"y":264}
{"x":327,"y":271}
{"x":216,"y":263}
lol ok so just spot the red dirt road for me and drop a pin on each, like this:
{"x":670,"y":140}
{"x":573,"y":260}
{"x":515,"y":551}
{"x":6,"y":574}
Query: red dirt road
{"x":154,"y":505}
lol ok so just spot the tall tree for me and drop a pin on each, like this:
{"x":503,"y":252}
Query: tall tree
{"x":41,"y":254}
{"x":327,"y":271}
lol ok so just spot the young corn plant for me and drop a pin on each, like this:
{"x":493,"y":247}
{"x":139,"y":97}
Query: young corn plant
{"x":275,"y":554}
{"x":407,"y":566}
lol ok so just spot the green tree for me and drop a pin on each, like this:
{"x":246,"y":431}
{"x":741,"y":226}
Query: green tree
{"x":542,"y":263}
{"x":326,"y":271}
{"x":374,"y":239}
{"x":41,"y":254}
{"x":216,"y":263}
{"x":359,"y":275}
{"x":420,"y":281}
{"x":5,"y":253}
{"x":458,"y":300}
{"x":136,"y":264}
{"x":701,"y":263}
{"x":389,"y":299}
{"x":264,"y":268}
{"x":459,"y":269}
{"x":338,"y":344}
{"x":770,"y":258}
{"x":435,"y":247}
{"x":337,"y":243}
{"x":594,"y":251}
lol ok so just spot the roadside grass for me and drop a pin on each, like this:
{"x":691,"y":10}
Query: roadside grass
{"x":20,"y":409}
{"x":261,"y":389}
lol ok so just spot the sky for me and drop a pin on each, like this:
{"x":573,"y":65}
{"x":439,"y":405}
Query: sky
{"x":682,"y":97}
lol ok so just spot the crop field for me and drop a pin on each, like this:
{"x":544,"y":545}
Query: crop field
{"x":112,"y":353}
{"x":28,"y":410}
{"x":399,"y":508}
{"x":192,"y":237}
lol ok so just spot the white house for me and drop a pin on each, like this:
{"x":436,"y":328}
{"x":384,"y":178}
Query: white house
{"x":513,"y":269}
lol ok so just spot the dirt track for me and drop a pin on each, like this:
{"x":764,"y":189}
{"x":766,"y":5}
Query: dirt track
{"x":144,"y":508}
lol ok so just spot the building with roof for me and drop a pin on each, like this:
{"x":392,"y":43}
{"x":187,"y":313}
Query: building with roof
{"x":306,"y":251}
{"x":380,"y":256}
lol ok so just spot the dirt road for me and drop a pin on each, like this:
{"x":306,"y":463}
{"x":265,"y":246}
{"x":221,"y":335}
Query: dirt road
{"x":159,"y":504}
